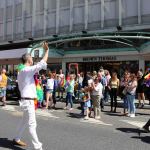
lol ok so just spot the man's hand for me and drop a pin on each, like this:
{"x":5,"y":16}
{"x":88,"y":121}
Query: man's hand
{"x":45,"y":46}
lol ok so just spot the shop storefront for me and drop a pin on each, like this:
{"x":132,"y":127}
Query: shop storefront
{"x":112,"y":63}
{"x":119,"y":67}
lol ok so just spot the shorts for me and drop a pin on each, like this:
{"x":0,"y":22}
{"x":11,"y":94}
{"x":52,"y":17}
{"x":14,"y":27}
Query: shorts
{"x":2,"y":92}
{"x":50,"y":91}
{"x":87,"y":104}
{"x":140,"y":89}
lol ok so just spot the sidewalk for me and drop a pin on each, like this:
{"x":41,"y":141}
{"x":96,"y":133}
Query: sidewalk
{"x":61,"y":104}
{"x":76,"y":102}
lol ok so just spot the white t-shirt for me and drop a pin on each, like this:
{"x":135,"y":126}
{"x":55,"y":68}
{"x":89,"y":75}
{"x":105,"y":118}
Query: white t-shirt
{"x":98,"y":90}
{"x":50,"y":84}
{"x":26,"y":81}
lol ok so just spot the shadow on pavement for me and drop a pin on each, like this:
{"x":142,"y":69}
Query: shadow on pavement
{"x":112,"y":114}
{"x":131,"y":130}
{"x":74,"y":115}
{"x":59,"y":108}
{"x":6,"y":143}
{"x":13,"y":103}
{"x":139,"y":133}
{"x":145,"y":139}
{"x":140,"y":114}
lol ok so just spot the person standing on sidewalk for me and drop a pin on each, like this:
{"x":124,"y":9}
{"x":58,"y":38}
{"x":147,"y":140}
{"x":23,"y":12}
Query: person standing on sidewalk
{"x":131,"y":92}
{"x":70,"y":91}
{"x":97,"y":90}
{"x":114,"y":86}
{"x":49,"y":91}
{"x":28,"y":94}
{"x":140,"y":89}
{"x":3,"y":85}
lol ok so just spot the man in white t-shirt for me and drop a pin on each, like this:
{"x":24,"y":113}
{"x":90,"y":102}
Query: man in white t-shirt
{"x":28,"y":93}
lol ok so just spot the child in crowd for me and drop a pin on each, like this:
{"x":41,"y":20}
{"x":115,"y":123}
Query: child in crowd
{"x":81,"y":96}
{"x":87,"y":104}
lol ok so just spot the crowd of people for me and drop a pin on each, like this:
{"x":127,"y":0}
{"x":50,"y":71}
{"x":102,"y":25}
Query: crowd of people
{"x":94,"y":90}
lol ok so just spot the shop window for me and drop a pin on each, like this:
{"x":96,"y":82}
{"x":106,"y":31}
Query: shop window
{"x":147,"y":64}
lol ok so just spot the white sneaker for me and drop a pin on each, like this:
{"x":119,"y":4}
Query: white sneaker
{"x":97,"y":117}
{"x":65,"y":108}
{"x":128,"y":115}
{"x":71,"y":109}
{"x":86,"y":118}
{"x":132,"y":115}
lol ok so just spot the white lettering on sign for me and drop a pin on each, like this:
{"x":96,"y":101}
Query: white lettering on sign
{"x":102,"y":58}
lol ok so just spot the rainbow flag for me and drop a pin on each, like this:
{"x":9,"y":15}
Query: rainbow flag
{"x":147,"y":77}
{"x":39,"y":91}
{"x":63,"y":82}
{"x":36,"y":103}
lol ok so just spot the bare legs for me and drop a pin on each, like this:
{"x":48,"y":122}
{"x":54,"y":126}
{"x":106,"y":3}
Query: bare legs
{"x":49,"y":99}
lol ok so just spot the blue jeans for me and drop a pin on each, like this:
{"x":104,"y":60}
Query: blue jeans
{"x":125,"y":102}
{"x":131,"y":103}
{"x":106,"y":94}
{"x":69,"y":99}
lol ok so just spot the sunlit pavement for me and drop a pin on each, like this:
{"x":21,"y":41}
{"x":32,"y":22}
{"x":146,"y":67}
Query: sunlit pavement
{"x":66,"y":130}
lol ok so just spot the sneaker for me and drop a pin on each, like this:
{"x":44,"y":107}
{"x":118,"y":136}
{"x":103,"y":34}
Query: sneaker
{"x":128,"y":115}
{"x":20,"y":143}
{"x":4,"y":104}
{"x":81,"y":114}
{"x":71,"y":109}
{"x":98,"y":117}
{"x":132,"y":115}
{"x":86,"y":118}
{"x":142,"y":105}
{"x":65,"y":108}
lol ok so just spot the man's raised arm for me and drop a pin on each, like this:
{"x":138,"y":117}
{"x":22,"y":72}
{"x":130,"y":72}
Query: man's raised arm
{"x":46,"y":48}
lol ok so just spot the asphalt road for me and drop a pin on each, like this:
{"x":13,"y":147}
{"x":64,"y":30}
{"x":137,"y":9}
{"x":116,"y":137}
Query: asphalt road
{"x":64,"y":130}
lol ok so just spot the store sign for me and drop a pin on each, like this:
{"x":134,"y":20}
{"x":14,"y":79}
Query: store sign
{"x":101,"y":58}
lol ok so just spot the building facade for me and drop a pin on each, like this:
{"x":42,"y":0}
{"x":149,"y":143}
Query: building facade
{"x":22,"y":20}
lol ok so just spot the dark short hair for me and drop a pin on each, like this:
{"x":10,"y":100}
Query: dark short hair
{"x":25,"y":57}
